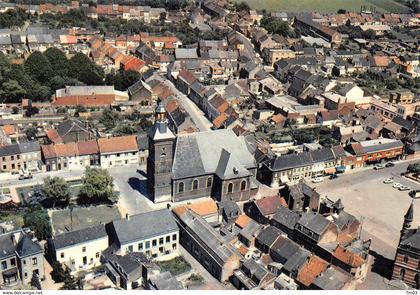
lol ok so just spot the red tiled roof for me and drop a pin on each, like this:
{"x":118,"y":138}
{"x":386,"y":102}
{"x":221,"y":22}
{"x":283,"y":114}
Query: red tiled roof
{"x":269,"y":205}
{"x":53,"y":136}
{"x":242,"y":221}
{"x":118,"y":144}
{"x":187,"y":76}
{"x":348,"y":257}
{"x":89,"y":147}
{"x":9,"y":129}
{"x":85,"y":100}
{"x":220,"y":120}
{"x":309,"y":272}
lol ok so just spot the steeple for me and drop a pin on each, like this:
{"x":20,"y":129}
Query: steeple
{"x":160,"y":130}
{"x":408,"y":217}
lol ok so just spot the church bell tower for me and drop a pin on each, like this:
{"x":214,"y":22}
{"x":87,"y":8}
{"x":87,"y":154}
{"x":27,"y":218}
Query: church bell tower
{"x":159,"y":161}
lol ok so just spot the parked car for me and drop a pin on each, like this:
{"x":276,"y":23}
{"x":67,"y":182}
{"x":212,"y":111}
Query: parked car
{"x":404,"y":188}
{"x":25,"y":176}
{"x":397,"y":185}
{"x":388,"y":180}
{"x":414,"y":194}
{"x":317,"y":179}
{"x":389,"y":164}
{"x":333,"y":176}
{"x":379,"y":166}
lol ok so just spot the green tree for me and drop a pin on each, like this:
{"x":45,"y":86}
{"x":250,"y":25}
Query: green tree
{"x":38,"y":220}
{"x":98,"y":187}
{"x":35,"y":281}
{"x":11,"y":92}
{"x":124,"y":130}
{"x":275,"y":25}
{"x":58,"y":61}
{"x":242,"y":6}
{"x":58,"y":273}
{"x":38,"y":67}
{"x":56,"y":189}
{"x":70,"y":283}
{"x":31,"y":133}
{"x":85,"y":70}
{"x":109,"y":119}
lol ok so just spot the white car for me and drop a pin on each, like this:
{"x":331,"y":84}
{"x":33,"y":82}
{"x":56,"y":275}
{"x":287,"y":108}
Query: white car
{"x":379,"y":166}
{"x":317,"y":179}
{"x":404,"y":188}
{"x":397,"y":185}
{"x":388,"y":180}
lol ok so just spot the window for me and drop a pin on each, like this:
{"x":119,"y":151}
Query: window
{"x":174,"y":246}
{"x":34,"y":261}
{"x":173,"y":237}
{"x":130,"y":248}
{"x":405,"y":259}
{"x":168,"y":239}
{"x":209,"y":182}
{"x":147,"y":245}
{"x":140,"y":246}
{"x":194,"y":184}
{"x":402,"y":273}
{"x":243,"y":185}
{"x":84,"y":249}
{"x":62,"y":255}
{"x":13,"y":261}
{"x":161,"y":241}
{"x":230,"y":188}
{"x":26,"y":274}
{"x":180,"y":187}
{"x":97,"y":255}
{"x":3,"y":264}
{"x":161,"y":250}
{"x":154,"y":243}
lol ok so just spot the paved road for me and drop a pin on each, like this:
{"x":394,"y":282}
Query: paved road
{"x":197,"y":116}
{"x":381,"y":206}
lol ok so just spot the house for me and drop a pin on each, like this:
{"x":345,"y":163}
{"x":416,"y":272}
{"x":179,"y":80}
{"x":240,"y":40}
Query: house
{"x":285,"y":220}
{"x":310,"y":271}
{"x":263,"y":210}
{"x":313,"y":229}
{"x":252,"y":276}
{"x":21,"y":257}
{"x":71,"y":130}
{"x":79,"y":250}
{"x":301,"y":197}
{"x":206,"y":245}
{"x":141,"y":92}
{"x":333,"y":279}
{"x":72,"y":155}
{"x":185,"y":80}
{"x":88,"y":96}
{"x":267,"y":238}
{"x":154,"y":233}
{"x":20,"y":156}
{"x":117,"y":151}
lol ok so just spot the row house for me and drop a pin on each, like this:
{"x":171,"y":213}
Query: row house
{"x":21,"y":156}
{"x":294,"y":167}
{"x":117,"y":151}
{"x":377,"y":150}
{"x":72,"y":155}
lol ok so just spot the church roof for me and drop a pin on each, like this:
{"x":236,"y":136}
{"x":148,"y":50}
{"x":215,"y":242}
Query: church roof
{"x":211,"y":152}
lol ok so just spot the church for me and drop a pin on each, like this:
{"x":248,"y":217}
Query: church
{"x":407,"y":258}
{"x":215,"y":163}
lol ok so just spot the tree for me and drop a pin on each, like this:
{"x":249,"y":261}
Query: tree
{"x":124,"y":130}
{"x":38,"y":220}
{"x":242,"y":6}
{"x":56,"y":189}
{"x":109,"y":119}
{"x":38,"y":67}
{"x":30,"y":111}
{"x":31,"y":133}
{"x":275,"y":25}
{"x":70,"y":283}
{"x":35,"y":281}
{"x":369,"y":34}
{"x":58,"y":61}
{"x":98,"y":187}
{"x":58,"y":273}
{"x":79,"y":109}
{"x":12,"y":91}
{"x":85,"y":70}
{"x":341,"y":11}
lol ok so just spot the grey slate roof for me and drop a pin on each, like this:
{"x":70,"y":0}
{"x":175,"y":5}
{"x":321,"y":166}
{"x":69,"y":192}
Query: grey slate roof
{"x":145,"y":225}
{"x":27,"y":247}
{"x":412,"y":239}
{"x":286,"y":217}
{"x":286,"y":162}
{"x":229,"y":167}
{"x":331,"y":279}
{"x":79,"y":236}
{"x":314,"y":222}
{"x":6,"y":245}
{"x":200,"y":153}
{"x":269,"y":235}
{"x":19,"y":148}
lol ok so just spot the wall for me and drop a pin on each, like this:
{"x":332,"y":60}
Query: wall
{"x":119,"y":159}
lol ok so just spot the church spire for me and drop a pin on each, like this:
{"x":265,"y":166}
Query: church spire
{"x":408,"y":218}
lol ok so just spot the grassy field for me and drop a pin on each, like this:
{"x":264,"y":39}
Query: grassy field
{"x":326,"y":5}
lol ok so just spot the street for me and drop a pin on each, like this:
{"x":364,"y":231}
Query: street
{"x":380,"y":206}
{"x":190,"y":107}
